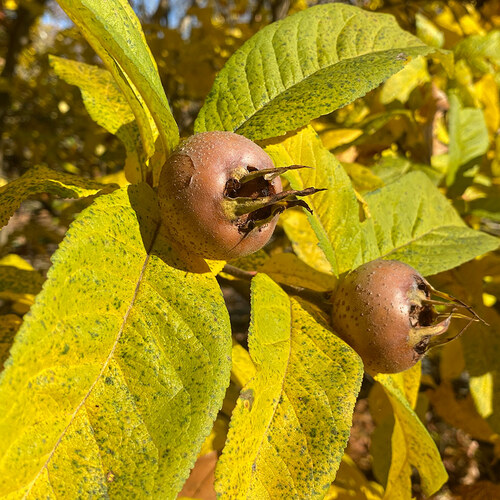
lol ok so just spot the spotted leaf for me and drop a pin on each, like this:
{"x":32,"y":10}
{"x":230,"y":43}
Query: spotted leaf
{"x":305,"y":66}
{"x":120,"y":367}
{"x":293,"y":417}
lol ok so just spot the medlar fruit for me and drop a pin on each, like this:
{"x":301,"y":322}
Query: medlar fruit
{"x":220,"y":196}
{"x":384,"y":310}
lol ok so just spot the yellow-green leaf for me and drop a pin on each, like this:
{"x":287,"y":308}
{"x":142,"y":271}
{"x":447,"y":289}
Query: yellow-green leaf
{"x":304,"y":241}
{"x":411,"y":443}
{"x":469,"y":139}
{"x":351,"y":484}
{"x":40,"y":179}
{"x":305,"y":66}
{"x":113,"y":30}
{"x":119,"y":369}
{"x":293,"y":418}
{"x":108,"y":107}
{"x":417,"y":224}
{"x":287,"y":269}
{"x":346,"y":240}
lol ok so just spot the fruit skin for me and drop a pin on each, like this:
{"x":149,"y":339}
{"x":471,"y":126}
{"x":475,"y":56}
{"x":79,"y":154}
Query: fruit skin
{"x":191,"y":192}
{"x":378,"y":311}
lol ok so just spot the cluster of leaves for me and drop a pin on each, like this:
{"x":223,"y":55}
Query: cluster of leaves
{"x":125,"y":364}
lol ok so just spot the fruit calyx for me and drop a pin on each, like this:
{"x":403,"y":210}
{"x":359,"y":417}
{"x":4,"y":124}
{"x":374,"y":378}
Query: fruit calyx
{"x":429,"y":332}
{"x":251,"y":201}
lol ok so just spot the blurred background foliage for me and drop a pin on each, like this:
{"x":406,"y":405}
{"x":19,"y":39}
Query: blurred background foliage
{"x":440,"y":115}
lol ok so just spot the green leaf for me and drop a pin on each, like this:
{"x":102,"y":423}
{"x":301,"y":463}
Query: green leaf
{"x":108,"y":107}
{"x":40,"y":179}
{"x":411,"y":443}
{"x":292,"y":420}
{"x":392,"y":168}
{"x":346,"y":240}
{"x":416,"y":224}
{"x":115,"y":33}
{"x":469,"y":140}
{"x":481,"y":51}
{"x":119,"y":369}
{"x":304,"y":66}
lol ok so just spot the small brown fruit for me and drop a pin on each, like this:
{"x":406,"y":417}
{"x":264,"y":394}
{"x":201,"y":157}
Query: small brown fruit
{"x":192,"y":189}
{"x":384,"y":311}
{"x":220,"y":196}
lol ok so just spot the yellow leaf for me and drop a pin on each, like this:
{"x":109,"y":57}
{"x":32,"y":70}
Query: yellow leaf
{"x":362,"y":177}
{"x":292,"y":420}
{"x":335,"y":138}
{"x":487,"y":92}
{"x":351,"y":484}
{"x":460,"y":413}
{"x":411,"y":443}
{"x":119,"y":370}
{"x":14,"y":260}
{"x":243,"y":368}
{"x":304,"y":240}
{"x":217,"y":437}
{"x":40,"y":179}
{"x":399,"y":86}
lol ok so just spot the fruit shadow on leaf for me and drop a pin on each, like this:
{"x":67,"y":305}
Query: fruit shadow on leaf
{"x":144,"y":202}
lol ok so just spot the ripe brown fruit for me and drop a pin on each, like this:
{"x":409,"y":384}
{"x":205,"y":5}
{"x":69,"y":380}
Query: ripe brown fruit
{"x":220,"y":196}
{"x":384,"y":311}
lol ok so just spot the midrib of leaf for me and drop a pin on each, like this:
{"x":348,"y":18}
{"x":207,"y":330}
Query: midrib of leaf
{"x":104,"y":366}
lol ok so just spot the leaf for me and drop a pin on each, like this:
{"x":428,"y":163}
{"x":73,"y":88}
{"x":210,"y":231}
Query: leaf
{"x":40,"y":179}
{"x":9,"y":324}
{"x":416,"y":224}
{"x":16,"y":283}
{"x":107,"y":106}
{"x":304,"y":241}
{"x":399,"y":86}
{"x":286,"y":268}
{"x":351,"y":484}
{"x":243,"y":368}
{"x":345,"y":240}
{"x":391,"y":168}
{"x":428,"y":32}
{"x":115,"y":33}
{"x":292,"y":420}
{"x":460,"y":413}
{"x":118,"y":372}
{"x":411,"y":443}
{"x":305,"y":66}
{"x":481,"y":51}
{"x":468,"y":138}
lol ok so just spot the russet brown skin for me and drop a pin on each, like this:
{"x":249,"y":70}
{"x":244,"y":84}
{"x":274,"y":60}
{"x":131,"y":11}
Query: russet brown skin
{"x":191,"y":192}
{"x":374,"y":311}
